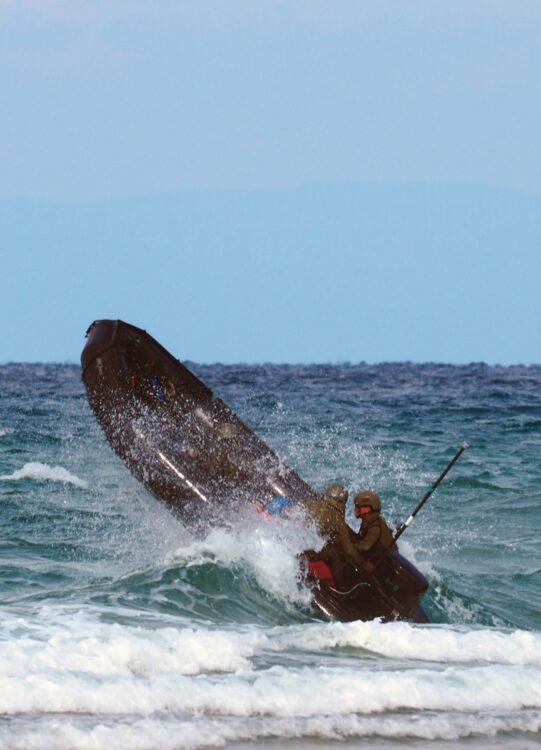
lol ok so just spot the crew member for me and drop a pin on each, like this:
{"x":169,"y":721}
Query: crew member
{"x":339,"y":550}
{"x":375,"y":539}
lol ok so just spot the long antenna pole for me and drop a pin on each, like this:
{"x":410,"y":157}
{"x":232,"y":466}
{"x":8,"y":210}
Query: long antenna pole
{"x":428,"y":493}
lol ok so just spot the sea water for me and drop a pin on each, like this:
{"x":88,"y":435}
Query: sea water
{"x":120,"y":629}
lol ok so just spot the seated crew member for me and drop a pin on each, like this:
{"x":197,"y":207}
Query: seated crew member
{"x":328,"y":514}
{"x":375,"y":539}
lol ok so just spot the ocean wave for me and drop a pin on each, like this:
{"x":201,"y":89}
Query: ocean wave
{"x":64,"y":662}
{"x":268,"y":549}
{"x":174,"y":733}
{"x":279,"y":691}
{"x":401,"y":640}
{"x":43,"y":472}
{"x":80,"y":645}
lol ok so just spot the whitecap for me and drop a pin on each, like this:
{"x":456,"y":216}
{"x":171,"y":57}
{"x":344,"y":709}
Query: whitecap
{"x":76,"y":664}
{"x":120,"y":652}
{"x":274,"y":692}
{"x":175,"y":733}
{"x":267,"y":548}
{"x":43,"y":472}
{"x":443,"y":644}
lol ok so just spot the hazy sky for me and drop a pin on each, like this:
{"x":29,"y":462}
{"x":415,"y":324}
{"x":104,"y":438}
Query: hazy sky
{"x":106,"y":100}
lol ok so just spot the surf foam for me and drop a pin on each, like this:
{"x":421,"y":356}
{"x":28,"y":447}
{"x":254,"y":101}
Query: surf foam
{"x":401,"y":640}
{"x":62,"y":662}
{"x":43,"y":472}
{"x":112,"y":651}
{"x":267,"y":548}
{"x":173,"y":733}
{"x":276,"y":691}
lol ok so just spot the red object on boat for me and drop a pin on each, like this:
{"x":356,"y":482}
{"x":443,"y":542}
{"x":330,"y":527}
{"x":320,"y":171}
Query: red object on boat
{"x":321,"y":571}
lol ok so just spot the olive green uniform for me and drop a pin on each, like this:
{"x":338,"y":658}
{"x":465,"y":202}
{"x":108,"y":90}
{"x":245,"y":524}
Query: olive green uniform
{"x":339,"y":549}
{"x":375,"y":538}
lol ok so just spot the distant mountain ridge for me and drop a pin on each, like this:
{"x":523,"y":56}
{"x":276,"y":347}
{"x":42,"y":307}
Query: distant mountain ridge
{"x":320,"y":273}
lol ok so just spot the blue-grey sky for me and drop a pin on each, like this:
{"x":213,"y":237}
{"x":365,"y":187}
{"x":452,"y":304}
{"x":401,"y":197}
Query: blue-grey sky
{"x":317,"y":181}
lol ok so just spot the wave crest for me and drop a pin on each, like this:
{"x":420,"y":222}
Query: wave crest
{"x":45,"y":473}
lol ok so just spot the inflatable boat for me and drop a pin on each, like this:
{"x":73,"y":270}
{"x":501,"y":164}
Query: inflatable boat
{"x":193,"y":452}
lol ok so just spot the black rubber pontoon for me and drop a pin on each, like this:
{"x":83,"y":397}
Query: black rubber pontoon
{"x":183,"y":443}
{"x":192,"y":452}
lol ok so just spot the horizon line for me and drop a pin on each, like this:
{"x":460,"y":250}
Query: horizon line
{"x":270,"y":363}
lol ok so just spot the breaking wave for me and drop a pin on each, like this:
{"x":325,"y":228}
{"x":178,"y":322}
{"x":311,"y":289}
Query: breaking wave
{"x":174,"y":733}
{"x":43,"y":473}
{"x":70,"y":663}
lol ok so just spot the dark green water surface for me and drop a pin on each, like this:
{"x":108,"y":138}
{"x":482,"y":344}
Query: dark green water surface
{"x":119,"y":629}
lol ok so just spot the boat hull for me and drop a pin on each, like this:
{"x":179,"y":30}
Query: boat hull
{"x":195,"y":454}
{"x":392,"y":591}
{"x":182,"y":442}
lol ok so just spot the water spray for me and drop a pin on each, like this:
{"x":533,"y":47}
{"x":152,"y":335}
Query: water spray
{"x":429,"y":492}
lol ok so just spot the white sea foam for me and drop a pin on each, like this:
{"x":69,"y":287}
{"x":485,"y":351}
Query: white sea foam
{"x":171,"y":733}
{"x":277,"y":691}
{"x":401,"y":640}
{"x":115,"y":650}
{"x":266,"y":548}
{"x":74,"y":664}
{"x":60,"y":641}
{"x":43,"y":472}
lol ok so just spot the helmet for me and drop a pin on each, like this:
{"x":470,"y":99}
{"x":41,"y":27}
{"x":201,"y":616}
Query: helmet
{"x":369,"y":498}
{"x":336,"y":492}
